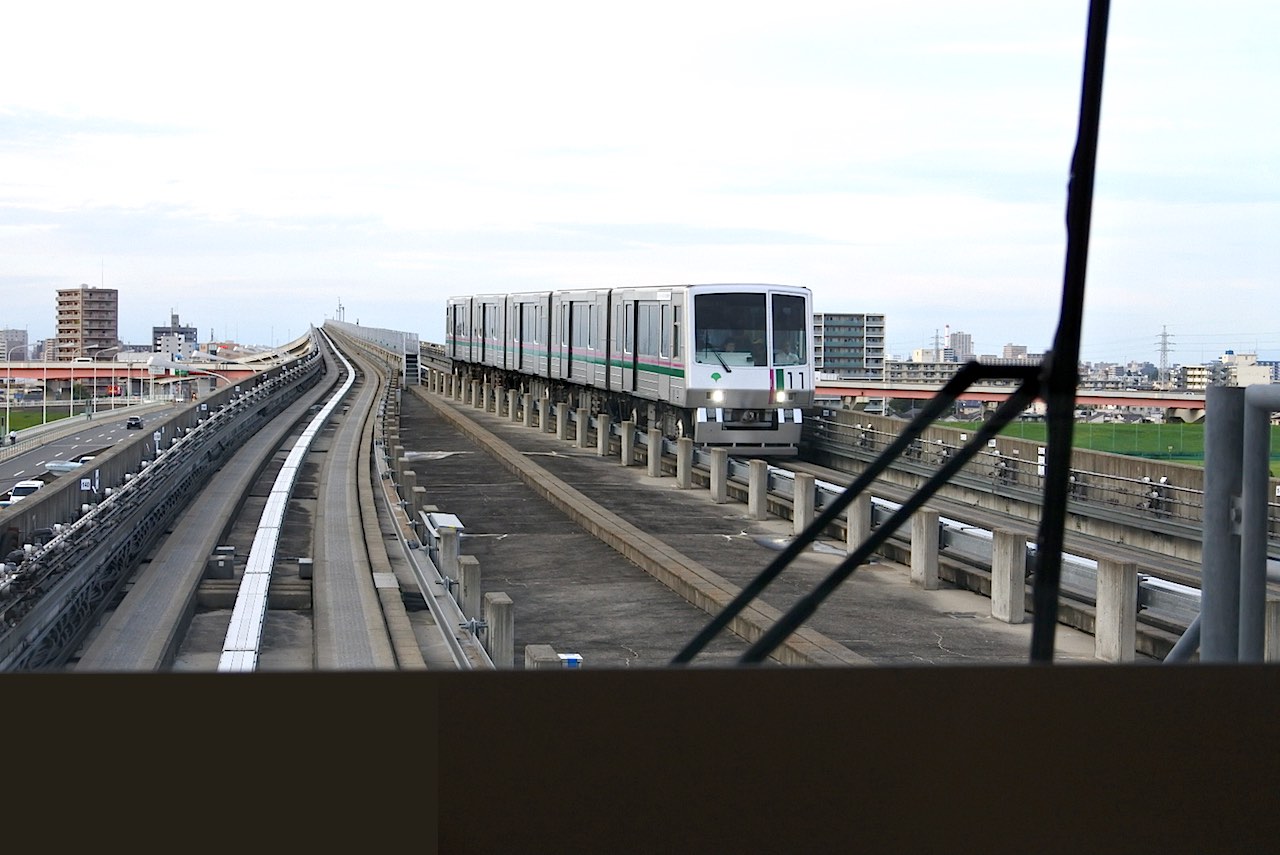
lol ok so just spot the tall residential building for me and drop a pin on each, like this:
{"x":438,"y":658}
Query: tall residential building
{"x":88,"y":321}
{"x":186,"y":334}
{"x":961,"y":343}
{"x":849,"y":344}
{"x":14,"y":345}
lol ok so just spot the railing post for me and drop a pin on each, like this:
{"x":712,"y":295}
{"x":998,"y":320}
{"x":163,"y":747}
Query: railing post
{"x":499,"y":619}
{"x":1116,"y":619}
{"x":1008,"y":576}
{"x":684,"y":463}
{"x":719,"y":475}
{"x":541,"y":657}
{"x":469,"y":585}
{"x":758,"y":490}
{"x":924,"y":549}
{"x":802,"y":508}
{"x":562,"y":421}
{"x":602,"y":434}
{"x":857,"y":522}
{"x":627,"y":433}
{"x":655,"y":453}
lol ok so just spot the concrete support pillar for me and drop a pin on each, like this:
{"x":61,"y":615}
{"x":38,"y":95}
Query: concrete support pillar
{"x":417,"y":499}
{"x":627,"y":432}
{"x":473,"y":394}
{"x":512,"y":409}
{"x":499,"y":396}
{"x":603,"y":429}
{"x":485,"y":391}
{"x":528,"y":409}
{"x":449,"y":556}
{"x":758,"y":490}
{"x":684,"y":463}
{"x":469,"y":586}
{"x":459,"y":386}
{"x":398,"y":461}
{"x":655,"y":453}
{"x":719,"y":475}
{"x":584,"y":427}
{"x":562,"y":421}
{"x":541,"y":657}
{"x":805,"y":499}
{"x":499,"y":618}
{"x":1008,"y":576}
{"x":1116,"y":618}
{"x":544,"y":415}
{"x":857,"y":522}
{"x":924,"y":549}
{"x":408,"y":483}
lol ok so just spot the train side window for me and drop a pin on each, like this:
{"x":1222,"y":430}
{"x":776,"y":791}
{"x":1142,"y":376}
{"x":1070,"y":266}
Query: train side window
{"x":675,"y":332}
{"x":650,"y":335}
{"x":665,"y":324}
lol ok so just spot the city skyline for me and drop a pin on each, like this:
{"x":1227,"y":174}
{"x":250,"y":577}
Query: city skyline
{"x":939,"y":343}
{"x":905,"y":159}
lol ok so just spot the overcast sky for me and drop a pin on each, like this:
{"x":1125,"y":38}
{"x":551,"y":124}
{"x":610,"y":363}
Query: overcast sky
{"x":255,"y":166}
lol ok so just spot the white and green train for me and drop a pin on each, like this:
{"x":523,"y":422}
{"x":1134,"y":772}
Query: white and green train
{"x":728,"y":365}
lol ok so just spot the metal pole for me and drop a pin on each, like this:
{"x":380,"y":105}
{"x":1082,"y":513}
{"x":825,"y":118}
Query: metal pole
{"x":1220,"y":571}
{"x":1260,"y":401}
{"x":1187,"y":645}
{"x":8,"y":393}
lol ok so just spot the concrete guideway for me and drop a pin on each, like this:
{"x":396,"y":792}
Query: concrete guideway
{"x":882,"y":607}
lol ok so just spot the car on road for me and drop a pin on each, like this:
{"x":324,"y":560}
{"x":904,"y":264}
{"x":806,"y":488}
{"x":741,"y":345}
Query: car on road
{"x":24,"y":488}
{"x":133,"y":422}
{"x":61,"y":466}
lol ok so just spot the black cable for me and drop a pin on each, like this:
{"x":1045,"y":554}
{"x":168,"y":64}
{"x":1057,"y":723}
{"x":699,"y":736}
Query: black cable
{"x":807,"y":605}
{"x":970,"y":373}
{"x":1061,"y":368}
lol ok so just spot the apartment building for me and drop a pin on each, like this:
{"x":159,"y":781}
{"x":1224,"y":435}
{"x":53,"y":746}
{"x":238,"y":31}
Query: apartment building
{"x":849,"y":345}
{"x":88,"y":322}
{"x":14,"y":345}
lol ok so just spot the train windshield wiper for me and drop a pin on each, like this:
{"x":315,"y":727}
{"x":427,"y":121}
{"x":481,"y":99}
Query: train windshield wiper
{"x":723,"y":364}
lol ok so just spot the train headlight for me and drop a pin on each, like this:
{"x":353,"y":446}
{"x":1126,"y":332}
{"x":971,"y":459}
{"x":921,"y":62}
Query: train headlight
{"x":717,"y":396}
{"x":781,"y":397}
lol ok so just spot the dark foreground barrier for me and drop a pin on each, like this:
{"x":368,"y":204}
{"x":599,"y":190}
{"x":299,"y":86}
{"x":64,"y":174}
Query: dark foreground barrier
{"x":985,"y":759}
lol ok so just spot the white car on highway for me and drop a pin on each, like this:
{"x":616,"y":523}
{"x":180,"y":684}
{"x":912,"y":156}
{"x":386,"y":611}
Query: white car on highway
{"x":61,"y":466}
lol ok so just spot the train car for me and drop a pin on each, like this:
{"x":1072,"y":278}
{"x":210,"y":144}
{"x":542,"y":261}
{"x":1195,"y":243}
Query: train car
{"x":729,"y":365}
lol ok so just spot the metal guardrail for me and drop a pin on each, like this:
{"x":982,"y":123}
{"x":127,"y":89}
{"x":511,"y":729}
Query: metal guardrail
{"x":972,"y":544}
{"x":62,"y":584}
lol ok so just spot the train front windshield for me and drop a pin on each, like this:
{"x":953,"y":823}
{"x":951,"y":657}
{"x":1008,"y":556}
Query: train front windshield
{"x":726,"y":325}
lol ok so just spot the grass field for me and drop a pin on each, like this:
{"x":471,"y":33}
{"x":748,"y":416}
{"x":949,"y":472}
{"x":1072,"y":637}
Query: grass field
{"x":1181,"y":443}
{"x":21,"y":418}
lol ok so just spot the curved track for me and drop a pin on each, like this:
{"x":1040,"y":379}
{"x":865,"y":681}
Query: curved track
{"x":349,"y":614}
